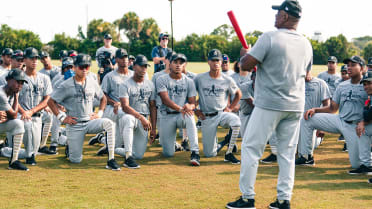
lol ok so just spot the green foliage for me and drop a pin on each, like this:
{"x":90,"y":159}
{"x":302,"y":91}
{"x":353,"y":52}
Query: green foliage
{"x":367,"y":51}
{"x":338,"y":46}
{"x":63,"y":42}
{"x":224,"y":30}
{"x":320,"y":54}
{"x":362,"y":42}
{"x":18,"y":39}
{"x":98,"y":28}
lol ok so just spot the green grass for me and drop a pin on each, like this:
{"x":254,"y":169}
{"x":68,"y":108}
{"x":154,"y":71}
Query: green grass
{"x":172,"y":183}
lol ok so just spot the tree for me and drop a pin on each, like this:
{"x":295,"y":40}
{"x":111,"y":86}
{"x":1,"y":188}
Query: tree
{"x":18,"y":39}
{"x":224,"y":30}
{"x":367,"y":51}
{"x":131,"y":24}
{"x":255,"y":33}
{"x":63,"y":42}
{"x":338,"y":46}
{"x":98,"y":28}
{"x":320,"y":54}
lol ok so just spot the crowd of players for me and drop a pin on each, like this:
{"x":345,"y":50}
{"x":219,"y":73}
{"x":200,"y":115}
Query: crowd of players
{"x":131,"y":108}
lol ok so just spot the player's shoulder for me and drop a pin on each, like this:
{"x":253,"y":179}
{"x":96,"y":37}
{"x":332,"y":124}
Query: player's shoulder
{"x":201,"y":75}
{"x":344,"y":84}
{"x":42,"y":76}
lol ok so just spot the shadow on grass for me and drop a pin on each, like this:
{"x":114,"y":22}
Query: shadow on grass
{"x":328,"y":186}
{"x":363,"y":197}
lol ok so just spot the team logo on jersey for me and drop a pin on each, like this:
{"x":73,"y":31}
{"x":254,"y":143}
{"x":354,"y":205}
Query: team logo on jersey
{"x":177,"y":90}
{"x":213,"y":91}
{"x":143,"y":95}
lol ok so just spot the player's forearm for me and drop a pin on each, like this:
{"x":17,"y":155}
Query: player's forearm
{"x":43,"y":104}
{"x":103,"y":102}
{"x":53,"y":106}
{"x":168,"y":102}
{"x":153,"y":114}
{"x":247,"y":63}
{"x":236,"y":100}
{"x":111,"y":101}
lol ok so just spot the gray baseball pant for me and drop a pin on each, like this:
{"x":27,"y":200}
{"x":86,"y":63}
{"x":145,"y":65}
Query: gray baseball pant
{"x":168,"y":132}
{"x":209,"y":130}
{"x":134,"y":136}
{"x":32,"y":136}
{"x":115,"y":118}
{"x":11,"y":128}
{"x":262,"y":125}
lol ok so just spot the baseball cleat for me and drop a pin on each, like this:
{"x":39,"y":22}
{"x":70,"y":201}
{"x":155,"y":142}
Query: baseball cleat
{"x":31,"y":160}
{"x":235,"y":149}
{"x":303,"y":161}
{"x":95,"y":139}
{"x":53,"y":149}
{"x":221,"y":145}
{"x":369,"y":181}
{"x":102,"y":151}
{"x":341,"y":138}
{"x":17,"y":165}
{"x":344,"y":149}
{"x":269,"y":159}
{"x":231,"y":158}
{"x":66,"y":151}
{"x":45,"y":151}
{"x":177,"y":147}
{"x":113,"y":165}
{"x":195,"y":159}
{"x":130,"y":163}
{"x":185,"y":145}
{"x":241,"y":203}
{"x":280,"y":204}
{"x":361,"y":170}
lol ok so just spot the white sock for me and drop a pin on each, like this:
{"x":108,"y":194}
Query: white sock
{"x":109,"y":128}
{"x":273,"y":149}
{"x":234,"y":136}
{"x":184,"y":135}
{"x":17,"y":142}
{"x":44,"y":135}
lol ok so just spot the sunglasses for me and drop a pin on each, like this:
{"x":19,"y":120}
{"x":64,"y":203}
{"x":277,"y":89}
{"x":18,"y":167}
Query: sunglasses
{"x":84,"y":67}
{"x":164,"y":38}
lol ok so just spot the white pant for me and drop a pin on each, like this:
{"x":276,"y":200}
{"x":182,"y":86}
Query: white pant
{"x":261,"y":126}
{"x":332,"y":123}
{"x":135,"y":137}
{"x":109,"y":113}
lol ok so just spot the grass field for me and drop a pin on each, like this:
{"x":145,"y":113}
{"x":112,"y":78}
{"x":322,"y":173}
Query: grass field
{"x":172,"y":183}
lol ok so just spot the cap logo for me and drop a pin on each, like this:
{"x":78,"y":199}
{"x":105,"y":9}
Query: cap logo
{"x":215,"y":53}
{"x":286,"y":9}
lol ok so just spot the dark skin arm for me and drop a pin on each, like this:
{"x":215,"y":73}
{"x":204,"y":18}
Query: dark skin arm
{"x":247,"y":62}
{"x":129,"y":110}
{"x":113,"y":103}
{"x":153,"y":116}
{"x":235,"y":102}
{"x":332,"y":108}
{"x":12,"y":113}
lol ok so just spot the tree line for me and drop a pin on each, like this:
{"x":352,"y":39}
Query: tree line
{"x":142,"y":35}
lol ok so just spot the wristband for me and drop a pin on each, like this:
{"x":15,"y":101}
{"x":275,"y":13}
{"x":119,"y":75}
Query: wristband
{"x":61,"y":116}
{"x":100,"y":113}
{"x":180,"y":110}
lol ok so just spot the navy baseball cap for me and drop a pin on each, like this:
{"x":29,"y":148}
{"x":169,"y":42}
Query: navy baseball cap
{"x":355,"y":59}
{"x":107,"y":36}
{"x":367,"y":77}
{"x":83,"y":59}
{"x":179,"y":56}
{"x":369,"y":61}
{"x":30,"y":52}
{"x":141,"y":60}
{"x":16,"y":74}
{"x":7,"y":51}
{"x":67,"y":61}
{"x":225,"y":57}
{"x":63,"y":54}
{"x":215,"y":54}
{"x":120,"y":53}
{"x":131,"y":57}
{"x":291,"y":7}
{"x":343,"y":68}
{"x":18,"y":54}
{"x":44,"y":54}
{"x":332,"y":59}
{"x":169,"y":55}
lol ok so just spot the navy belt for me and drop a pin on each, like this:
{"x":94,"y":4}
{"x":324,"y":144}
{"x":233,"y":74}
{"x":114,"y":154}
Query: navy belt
{"x":36,"y":114}
{"x":351,"y":121}
{"x":211,"y":114}
{"x":171,"y":113}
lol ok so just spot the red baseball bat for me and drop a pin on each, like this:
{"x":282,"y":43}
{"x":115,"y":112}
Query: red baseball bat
{"x":239,"y":33}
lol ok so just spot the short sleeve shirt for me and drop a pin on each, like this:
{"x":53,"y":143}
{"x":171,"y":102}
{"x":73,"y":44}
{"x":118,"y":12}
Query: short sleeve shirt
{"x":178,"y":90}
{"x":154,"y":80}
{"x":213,"y":93}
{"x":351,"y":98}
{"x":155,"y":53}
{"x":316,"y":91}
{"x":78,"y":98}
{"x":139,"y":95}
{"x":111,"y":83}
{"x":247,"y":93}
{"x":284,"y":56}
{"x":52,"y":72}
{"x":34,"y":91}
{"x":330,"y":79}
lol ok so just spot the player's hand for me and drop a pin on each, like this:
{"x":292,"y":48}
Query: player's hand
{"x":3,"y":117}
{"x":152,"y":136}
{"x":227,"y":109}
{"x":360,"y":129}
{"x":188,"y":109}
{"x":47,"y":109}
{"x":309,"y":113}
{"x":93,"y":116}
{"x":70,"y":120}
{"x":236,"y":108}
{"x":244,"y":51}
{"x":145,"y":123}
{"x":200,"y":114}
{"x":26,"y":115}
{"x":116,"y":107}
{"x":62,"y":108}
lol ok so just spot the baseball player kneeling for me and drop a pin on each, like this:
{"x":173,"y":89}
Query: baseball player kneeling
{"x":76,"y":94}
{"x":137,"y":98}
{"x":178,"y":94}
{"x":214,"y":88}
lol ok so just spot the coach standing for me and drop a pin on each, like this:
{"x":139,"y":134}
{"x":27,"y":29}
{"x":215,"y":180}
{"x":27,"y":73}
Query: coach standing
{"x":283,"y":58}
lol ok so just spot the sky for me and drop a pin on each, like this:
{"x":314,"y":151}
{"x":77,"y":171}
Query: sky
{"x":46,"y":18}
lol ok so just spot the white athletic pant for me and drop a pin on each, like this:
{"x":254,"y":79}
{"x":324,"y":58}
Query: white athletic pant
{"x":56,"y":125}
{"x":109,"y":113}
{"x":262,"y":124}
{"x":134,"y":136}
{"x":11,"y":128}
{"x":334,"y":124}
{"x":32,"y":136}
{"x":306,"y":145}
{"x":209,"y":130}
{"x":168,"y":132}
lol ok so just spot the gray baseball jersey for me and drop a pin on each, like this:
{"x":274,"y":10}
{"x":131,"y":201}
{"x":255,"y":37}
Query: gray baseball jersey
{"x":339,"y":81}
{"x":178,"y":90}
{"x":247,"y":93}
{"x":190,"y":75}
{"x":139,"y":95}
{"x":5,"y":101}
{"x":330,"y":79}
{"x":34,"y":91}
{"x":213,"y":93}
{"x":228,"y":72}
{"x":285,"y":84}
{"x":111,"y":83}
{"x":316,"y":91}
{"x":351,"y":98}
{"x":77,"y":98}
{"x":239,"y":80}
{"x":51,"y":73}
{"x":154,"y":81}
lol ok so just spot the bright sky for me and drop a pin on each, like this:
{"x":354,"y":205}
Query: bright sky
{"x":46,"y":18}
